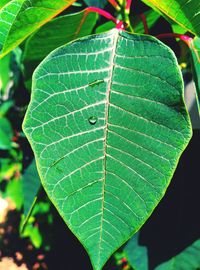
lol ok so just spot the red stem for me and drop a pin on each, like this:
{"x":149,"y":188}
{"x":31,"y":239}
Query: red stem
{"x":184,"y":38}
{"x":114,"y":4}
{"x":144,"y":21}
{"x":128,"y":5}
{"x":107,"y":15}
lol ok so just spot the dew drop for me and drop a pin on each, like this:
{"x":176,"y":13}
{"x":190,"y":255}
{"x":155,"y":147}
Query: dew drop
{"x":92,"y":120}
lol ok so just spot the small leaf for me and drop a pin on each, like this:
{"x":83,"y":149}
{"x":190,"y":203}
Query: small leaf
{"x":20,"y":18}
{"x":96,"y":3}
{"x":54,"y":34}
{"x":105,"y":179}
{"x":188,"y":259}
{"x":185,"y":13}
{"x":195,"y":51}
{"x":4,"y":74}
{"x":137,"y":255}
{"x":6,"y":134}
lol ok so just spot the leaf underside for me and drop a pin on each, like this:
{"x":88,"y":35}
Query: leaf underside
{"x":20,"y":18}
{"x":185,"y":12}
{"x":107,"y":123}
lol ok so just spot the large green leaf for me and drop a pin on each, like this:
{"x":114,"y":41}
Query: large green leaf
{"x":184,"y":12}
{"x":188,"y":259}
{"x":20,"y":18}
{"x":107,"y":123}
{"x":54,"y":34}
{"x":3,"y":3}
{"x":195,"y":50}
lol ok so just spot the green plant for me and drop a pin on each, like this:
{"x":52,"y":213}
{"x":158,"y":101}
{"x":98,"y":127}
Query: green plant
{"x":107,"y":119}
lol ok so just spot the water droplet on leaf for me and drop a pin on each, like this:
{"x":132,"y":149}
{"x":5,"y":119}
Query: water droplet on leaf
{"x":92,"y":120}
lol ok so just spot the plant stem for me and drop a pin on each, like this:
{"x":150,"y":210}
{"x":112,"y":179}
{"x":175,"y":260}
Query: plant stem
{"x":115,"y":4}
{"x":107,"y":15}
{"x":144,"y":21}
{"x":184,"y":38}
{"x":125,"y":14}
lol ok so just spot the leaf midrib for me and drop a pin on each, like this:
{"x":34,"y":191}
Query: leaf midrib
{"x":115,"y":41}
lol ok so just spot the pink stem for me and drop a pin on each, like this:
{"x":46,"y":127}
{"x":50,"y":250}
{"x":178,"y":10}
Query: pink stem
{"x":114,"y":4}
{"x":144,"y":21}
{"x":128,"y":5}
{"x":107,"y":15}
{"x":184,"y":38}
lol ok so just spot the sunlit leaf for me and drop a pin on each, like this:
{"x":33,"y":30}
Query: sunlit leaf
{"x":20,"y":18}
{"x":107,"y":123}
{"x":184,"y":12}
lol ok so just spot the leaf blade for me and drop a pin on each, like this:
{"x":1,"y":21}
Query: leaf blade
{"x":20,"y":18}
{"x":185,"y":13}
{"x":101,"y":168}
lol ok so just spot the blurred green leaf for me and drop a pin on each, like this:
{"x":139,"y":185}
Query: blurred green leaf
{"x":54,"y":34}
{"x":20,"y":18}
{"x":14,"y":192}
{"x":195,"y":51}
{"x":189,"y":259}
{"x":34,"y":234}
{"x":136,"y":254}
{"x":5,"y":107}
{"x":4,"y":73}
{"x":105,"y":27}
{"x":6,"y":134}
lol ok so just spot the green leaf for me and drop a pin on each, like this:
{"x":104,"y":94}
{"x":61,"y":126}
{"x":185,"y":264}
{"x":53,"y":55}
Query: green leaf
{"x":31,"y":185}
{"x":14,"y":192}
{"x":96,"y":3}
{"x":107,"y":123}
{"x":3,"y":3}
{"x":105,"y":27}
{"x":54,"y":34}
{"x":34,"y":234}
{"x":136,"y":254}
{"x":184,"y":12}
{"x":4,"y":74}
{"x":188,"y":259}
{"x":195,"y":51}
{"x":5,"y":107}
{"x":20,"y":18}
{"x":6,"y":134}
